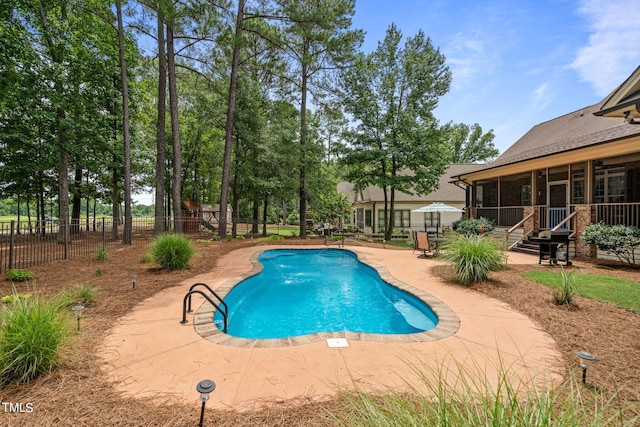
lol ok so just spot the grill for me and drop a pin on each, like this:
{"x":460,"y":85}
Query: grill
{"x":548,"y":247}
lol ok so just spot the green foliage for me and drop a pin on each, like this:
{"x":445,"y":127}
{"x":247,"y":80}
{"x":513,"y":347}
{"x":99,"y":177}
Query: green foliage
{"x":391,"y":94}
{"x":102,"y":254}
{"x":472,"y":400}
{"x":564,"y":293}
{"x":473,"y":257}
{"x":82,"y":294}
{"x":99,"y":272}
{"x":172,"y":251}
{"x":19,"y":275}
{"x":146,"y":259}
{"x":472,"y":225}
{"x":622,"y":293}
{"x":620,"y":240}
{"x":275,"y":238}
{"x":31,"y":334}
{"x":12,"y":298}
{"x":293,"y":218}
{"x":469,"y":144}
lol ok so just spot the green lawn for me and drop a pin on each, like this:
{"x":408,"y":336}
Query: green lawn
{"x":622,"y":293}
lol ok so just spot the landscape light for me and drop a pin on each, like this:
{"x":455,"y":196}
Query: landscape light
{"x":133,"y":281}
{"x":585,"y":356}
{"x":78,"y":309}
{"x":204,"y":387}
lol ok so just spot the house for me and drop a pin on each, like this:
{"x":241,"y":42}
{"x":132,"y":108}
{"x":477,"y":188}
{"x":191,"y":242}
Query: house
{"x":367,"y":205}
{"x":564,"y":174}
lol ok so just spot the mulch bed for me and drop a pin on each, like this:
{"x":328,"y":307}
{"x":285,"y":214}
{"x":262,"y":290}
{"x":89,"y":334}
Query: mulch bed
{"x":79,"y":393}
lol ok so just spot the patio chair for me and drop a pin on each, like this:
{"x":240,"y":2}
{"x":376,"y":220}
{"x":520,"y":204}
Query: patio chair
{"x":421,"y":240}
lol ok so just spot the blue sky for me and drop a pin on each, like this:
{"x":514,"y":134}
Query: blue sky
{"x":517,"y":63}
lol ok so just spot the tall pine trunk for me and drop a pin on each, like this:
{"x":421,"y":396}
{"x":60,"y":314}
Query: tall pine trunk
{"x":175,"y":132}
{"x":303,"y":154}
{"x":161,"y":148}
{"x":226,"y":165}
{"x":126,"y":236}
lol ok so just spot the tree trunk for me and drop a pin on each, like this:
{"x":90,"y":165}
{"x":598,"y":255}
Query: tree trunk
{"x":41,"y":206}
{"x":265,"y":204}
{"x":389,"y":230}
{"x":77,"y":201}
{"x":63,"y":182}
{"x":255,"y":217}
{"x":284,"y":212}
{"x":303,"y":141}
{"x":226,"y":165}
{"x":161,"y":148}
{"x":115,"y":204}
{"x":175,"y":132}
{"x":57,"y":57}
{"x":126,"y":236}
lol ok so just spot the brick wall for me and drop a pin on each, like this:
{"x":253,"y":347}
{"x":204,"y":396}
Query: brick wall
{"x":585,"y":215}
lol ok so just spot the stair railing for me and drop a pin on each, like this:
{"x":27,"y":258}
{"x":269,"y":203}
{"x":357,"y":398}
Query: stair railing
{"x":514,"y":228}
{"x":564,"y":221}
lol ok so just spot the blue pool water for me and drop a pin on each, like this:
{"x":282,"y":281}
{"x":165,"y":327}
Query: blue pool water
{"x":306,"y":291}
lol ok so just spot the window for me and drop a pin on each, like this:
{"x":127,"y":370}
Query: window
{"x":401,"y":218}
{"x":431,"y":219}
{"x":515,"y":190}
{"x":578,"y":184}
{"x":609,"y":185}
{"x":486,"y":193}
{"x":382,"y":220}
{"x":367,"y":217}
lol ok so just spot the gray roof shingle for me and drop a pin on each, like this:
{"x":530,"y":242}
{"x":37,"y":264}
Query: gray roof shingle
{"x":446,"y":192}
{"x":569,"y":132}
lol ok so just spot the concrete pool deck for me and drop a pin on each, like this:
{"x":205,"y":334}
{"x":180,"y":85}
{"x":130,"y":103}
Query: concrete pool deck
{"x":149,"y":353}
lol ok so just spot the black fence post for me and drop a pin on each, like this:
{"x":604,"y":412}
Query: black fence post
{"x":11,"y":237}
{"x":103,"y":235}
{"x":65,"y":232}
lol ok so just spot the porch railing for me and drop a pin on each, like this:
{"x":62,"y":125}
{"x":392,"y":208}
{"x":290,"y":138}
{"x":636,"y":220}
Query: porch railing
{"x":618,"y":213}
{"x":502,"y":217}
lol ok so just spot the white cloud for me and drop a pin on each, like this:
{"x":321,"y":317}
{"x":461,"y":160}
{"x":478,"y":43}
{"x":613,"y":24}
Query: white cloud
{"x":612,"y":52}
{"x":541,"y":97}
{"x":467,"y":56}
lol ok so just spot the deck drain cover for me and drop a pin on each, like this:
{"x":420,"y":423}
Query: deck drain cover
{"x":337,"y":342}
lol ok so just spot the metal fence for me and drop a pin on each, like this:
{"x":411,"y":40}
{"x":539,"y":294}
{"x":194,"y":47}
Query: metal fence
{"x":28,"y":243}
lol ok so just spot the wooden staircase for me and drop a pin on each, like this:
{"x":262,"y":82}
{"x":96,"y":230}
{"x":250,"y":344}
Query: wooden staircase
{"x":526,"y":247}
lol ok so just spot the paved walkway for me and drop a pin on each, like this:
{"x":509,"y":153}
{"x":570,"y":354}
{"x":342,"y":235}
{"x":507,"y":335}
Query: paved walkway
{"x":149,"y":353}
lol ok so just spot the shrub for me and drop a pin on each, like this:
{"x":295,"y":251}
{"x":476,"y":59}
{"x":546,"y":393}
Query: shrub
{"x":11,"y":299}
{"x":102,"y":254}
{"x":172,"y":251}
{"x":83,"y":294}
{"x":146,"y":259}
{"x":18,"y":275}
{"x":31,"y":333}
{"x":471,"y":400}
{"x":472,"y":225}
{"x":620,"y":240}
{"x":473,"y":257}
{"x":565,"y":292}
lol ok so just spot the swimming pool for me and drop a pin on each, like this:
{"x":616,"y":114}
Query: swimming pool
{"x":309,"y":291}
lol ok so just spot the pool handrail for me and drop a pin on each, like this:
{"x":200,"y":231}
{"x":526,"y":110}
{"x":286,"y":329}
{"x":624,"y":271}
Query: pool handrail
{"x":224,"y":310}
